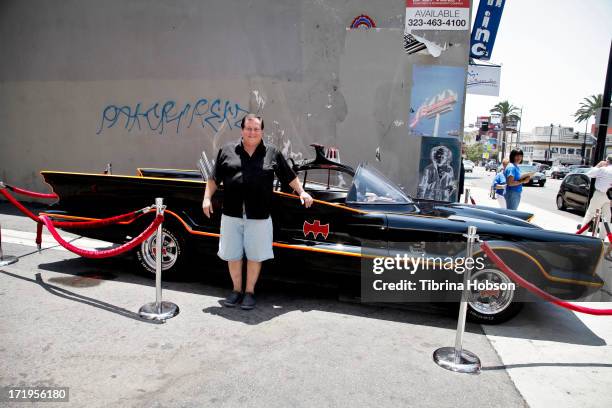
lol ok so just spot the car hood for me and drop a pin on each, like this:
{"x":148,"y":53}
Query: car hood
{"x":476,"y":214}
{"x":456,"y":211}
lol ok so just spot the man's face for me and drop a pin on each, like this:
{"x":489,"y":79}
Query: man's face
{"x":440,"y":156}
{"x":252,"y":133}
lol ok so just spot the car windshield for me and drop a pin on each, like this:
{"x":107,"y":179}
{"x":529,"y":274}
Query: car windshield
{"x":580,"y":170}
{"x":372,"y":187}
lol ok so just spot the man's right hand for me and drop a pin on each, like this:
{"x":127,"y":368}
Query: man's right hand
{"x":207,"y":207}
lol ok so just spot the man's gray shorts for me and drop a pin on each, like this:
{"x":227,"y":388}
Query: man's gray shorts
{"x":241,"y":235}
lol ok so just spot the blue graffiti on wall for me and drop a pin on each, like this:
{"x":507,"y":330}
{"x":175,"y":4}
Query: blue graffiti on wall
{"x":158,"y":117}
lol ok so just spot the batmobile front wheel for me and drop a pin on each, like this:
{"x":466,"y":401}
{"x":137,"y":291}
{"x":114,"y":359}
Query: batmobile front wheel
{"x":173,"y":253}
{"x":492,"y":304}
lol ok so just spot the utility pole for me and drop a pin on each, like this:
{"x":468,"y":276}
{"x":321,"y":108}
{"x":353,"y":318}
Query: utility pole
{"x":602,"y":126}
{"x":549,"y":142}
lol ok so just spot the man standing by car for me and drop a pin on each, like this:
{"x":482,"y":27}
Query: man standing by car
{"x":602,"y":173}
{"x":247,"y":168}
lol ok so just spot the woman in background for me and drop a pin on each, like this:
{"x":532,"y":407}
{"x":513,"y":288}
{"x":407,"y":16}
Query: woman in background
{"x":514,"y":180}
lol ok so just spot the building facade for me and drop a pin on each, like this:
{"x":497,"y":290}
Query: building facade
{"x":556,"y":145}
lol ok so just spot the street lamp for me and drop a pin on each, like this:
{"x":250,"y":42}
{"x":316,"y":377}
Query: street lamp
{"x":549,"y":142}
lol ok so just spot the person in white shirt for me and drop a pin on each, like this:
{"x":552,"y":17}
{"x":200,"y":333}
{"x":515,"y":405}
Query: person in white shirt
{"x":602,"y":173}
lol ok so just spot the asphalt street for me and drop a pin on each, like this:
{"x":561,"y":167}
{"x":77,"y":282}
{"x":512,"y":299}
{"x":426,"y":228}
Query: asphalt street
{"x":72,"y":322}
{"x":542,"y":198}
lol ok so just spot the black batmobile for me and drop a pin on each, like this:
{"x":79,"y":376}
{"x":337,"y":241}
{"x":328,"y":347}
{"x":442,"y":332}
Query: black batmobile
{"x":356,"y":214}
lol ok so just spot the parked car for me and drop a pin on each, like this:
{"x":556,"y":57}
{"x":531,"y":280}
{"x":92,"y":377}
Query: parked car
{"x":355,"y":213}
{"x":543,"y":168}
{"x":468,"y":166}
{"x":491,"y":165}
{"x":558,"y":172}
{"x":574,"y":191}
{"x":538,"y":177}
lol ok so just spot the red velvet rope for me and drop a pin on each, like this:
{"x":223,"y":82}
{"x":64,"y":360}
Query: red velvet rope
{"x":608,"y":232}
{"x":97,"y":223}
{"x":30,"y":193}
{"x":472,"y":200}
{"x":108,"y":252}
{"x":532,"y":288}
{"x":584,"y":227}
{"x":66,"y":224}
{"x":17,"y":204}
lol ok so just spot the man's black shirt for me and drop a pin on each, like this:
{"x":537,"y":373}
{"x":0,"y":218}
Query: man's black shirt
{"x":248,"y":179}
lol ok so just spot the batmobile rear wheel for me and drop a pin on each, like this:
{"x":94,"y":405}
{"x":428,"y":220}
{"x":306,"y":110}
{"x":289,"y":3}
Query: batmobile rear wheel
{"x":173,"y":253}
{"x":492,"y":306}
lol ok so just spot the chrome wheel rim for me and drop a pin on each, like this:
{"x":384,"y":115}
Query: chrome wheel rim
{"x":170,"y":252}
{"x":494,"y":301}
{"x":559,"y":202}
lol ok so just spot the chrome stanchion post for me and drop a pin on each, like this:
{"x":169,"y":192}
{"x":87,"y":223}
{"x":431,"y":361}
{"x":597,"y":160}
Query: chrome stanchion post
{"x":596,"y":220}
{"x":456,"y":358}
{"x":6,"y":259}
{"x":467,"y":195}
{"x":158,"y":310}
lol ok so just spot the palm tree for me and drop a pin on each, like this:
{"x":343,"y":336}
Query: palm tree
{"x":508,"y":113}
{"x":588,"y":108}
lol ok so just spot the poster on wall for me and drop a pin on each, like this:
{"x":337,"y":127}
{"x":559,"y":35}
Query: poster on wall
{"x":483,"y":79}
{"x":439,"y":169}
{"x":436,"y":98}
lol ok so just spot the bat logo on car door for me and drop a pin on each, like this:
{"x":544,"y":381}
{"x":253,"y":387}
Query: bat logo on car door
{"x":316,"y":228}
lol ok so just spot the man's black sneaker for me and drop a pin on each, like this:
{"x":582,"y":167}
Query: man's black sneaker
{"x":233,"y":299}
{"x":248,"y":302}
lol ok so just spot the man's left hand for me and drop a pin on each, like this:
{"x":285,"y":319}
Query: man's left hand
{"x":306,"y":199}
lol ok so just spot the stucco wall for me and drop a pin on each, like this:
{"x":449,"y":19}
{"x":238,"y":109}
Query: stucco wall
{"x":78,"y":77}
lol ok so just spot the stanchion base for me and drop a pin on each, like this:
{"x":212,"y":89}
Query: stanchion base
{"x":468,"y":361}
{"x":150,"y":311}
{"x":7,"y":260}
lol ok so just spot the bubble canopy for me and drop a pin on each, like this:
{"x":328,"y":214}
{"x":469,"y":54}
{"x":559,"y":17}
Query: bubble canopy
{"x":372,"y":187}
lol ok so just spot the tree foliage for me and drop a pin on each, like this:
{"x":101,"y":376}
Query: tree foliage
{"x":508,"y":112}
{"x":474,"y":152}
{"x":588,"y":107}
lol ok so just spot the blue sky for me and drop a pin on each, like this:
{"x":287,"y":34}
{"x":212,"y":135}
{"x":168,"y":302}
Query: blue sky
{"x":553,"y":54}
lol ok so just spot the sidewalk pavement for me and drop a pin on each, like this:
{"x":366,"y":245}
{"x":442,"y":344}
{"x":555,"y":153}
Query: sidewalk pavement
{"x":555,"y":221}
{"x":555,"y":357}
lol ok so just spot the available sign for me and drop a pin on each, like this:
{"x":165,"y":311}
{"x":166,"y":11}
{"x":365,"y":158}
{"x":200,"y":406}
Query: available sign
{"x":437,"y":14}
